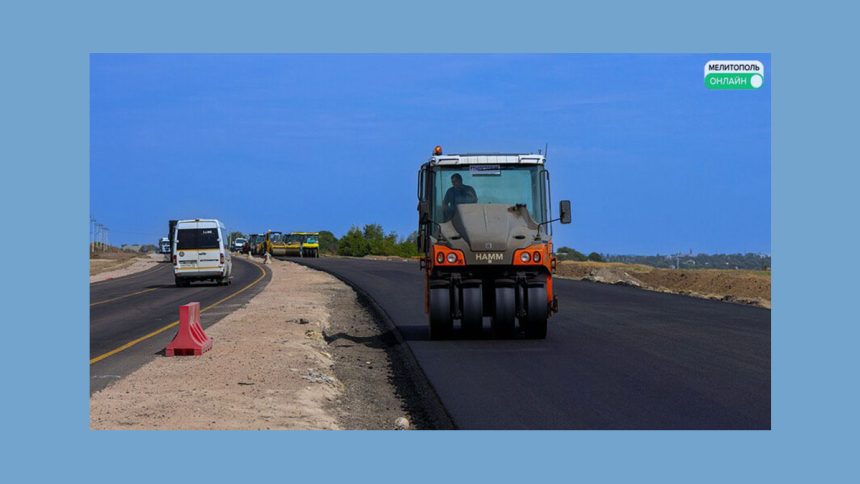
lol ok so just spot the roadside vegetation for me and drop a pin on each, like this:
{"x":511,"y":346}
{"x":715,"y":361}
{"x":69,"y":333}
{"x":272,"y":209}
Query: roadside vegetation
{"x":372,"y":240}
{"x":359,"y":242}
{"x":567,"y":253}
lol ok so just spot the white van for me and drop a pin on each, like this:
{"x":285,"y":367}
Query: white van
{"x":200,"y":252}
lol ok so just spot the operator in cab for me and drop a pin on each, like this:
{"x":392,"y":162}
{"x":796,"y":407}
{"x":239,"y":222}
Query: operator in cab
{"x":457,"y":194}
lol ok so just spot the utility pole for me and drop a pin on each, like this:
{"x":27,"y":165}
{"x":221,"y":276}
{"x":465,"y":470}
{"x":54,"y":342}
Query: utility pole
{"x":99,"y":236}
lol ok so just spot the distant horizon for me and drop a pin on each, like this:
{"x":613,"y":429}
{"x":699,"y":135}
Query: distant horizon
{"x":694,"y":254}
{"x":653,"y":162}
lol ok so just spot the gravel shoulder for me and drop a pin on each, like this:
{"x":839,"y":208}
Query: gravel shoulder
{"x":302,"y":354}
{"x":111,"y":268}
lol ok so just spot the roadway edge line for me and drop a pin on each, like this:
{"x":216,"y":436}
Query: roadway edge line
{"x":436,"y":411}
{"x":171,"y":325}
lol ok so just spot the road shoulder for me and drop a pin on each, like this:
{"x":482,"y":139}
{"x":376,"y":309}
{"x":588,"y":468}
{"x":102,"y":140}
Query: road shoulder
{"x":299,"y":355}
{"x":127,"y":268}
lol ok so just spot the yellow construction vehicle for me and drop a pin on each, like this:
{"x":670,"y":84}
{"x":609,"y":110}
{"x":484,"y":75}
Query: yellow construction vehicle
{"x":275,"y":244}
{"x":310,"y":243}
{"x":258,"y":244}
{"x":293,"y":244}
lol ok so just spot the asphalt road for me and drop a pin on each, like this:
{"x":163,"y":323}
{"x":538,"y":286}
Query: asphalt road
{"x":125,"y":312}
{"x":615,"y":358}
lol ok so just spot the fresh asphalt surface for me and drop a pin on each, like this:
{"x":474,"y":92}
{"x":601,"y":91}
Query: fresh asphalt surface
{"x":125,"y":309}
{"x":614,"y":358}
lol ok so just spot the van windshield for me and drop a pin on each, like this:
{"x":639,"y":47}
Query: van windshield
{"x":190,"y":239}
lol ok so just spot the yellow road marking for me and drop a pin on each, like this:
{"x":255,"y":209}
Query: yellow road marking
{"x":165,"y":328}
{"x":121,"y":297}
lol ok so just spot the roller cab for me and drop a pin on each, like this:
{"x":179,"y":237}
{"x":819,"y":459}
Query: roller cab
{"x":485,"y":230}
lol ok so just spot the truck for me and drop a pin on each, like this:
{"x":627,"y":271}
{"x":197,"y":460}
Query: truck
{"x":164,"y":246}
{"x":485,"y":235}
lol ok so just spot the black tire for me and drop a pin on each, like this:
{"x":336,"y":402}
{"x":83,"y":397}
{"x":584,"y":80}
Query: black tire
{"x":473,"y":310}
{"x":441,"y":323}
{"x":505,"y":310}
{"x":536,"y":312}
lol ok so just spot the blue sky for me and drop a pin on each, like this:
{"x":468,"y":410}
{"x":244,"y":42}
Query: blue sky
{"x":652,"y":161}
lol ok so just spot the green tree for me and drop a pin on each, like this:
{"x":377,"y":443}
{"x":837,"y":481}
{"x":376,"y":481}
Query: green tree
{"x":408,"y":247}
{"x":353,"y":244}
{"x":328,"y":242}
{"x":372,"y":240}
{"x":375,"y":237}
{"x":567,"y":253}
{"x":373,"y":232}
{"x":594,"y":256}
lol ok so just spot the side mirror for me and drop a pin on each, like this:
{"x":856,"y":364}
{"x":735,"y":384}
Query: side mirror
{"x":564,"y":211}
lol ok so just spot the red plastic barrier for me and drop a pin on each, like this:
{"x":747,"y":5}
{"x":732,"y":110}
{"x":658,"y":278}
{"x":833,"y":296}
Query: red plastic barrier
{"x":190,"y":340}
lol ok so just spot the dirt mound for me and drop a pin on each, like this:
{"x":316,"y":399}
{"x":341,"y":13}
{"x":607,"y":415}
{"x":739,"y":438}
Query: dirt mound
{"x":609,"y":275}
{"x":737,"y":286}
{"x":747,"y":287}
